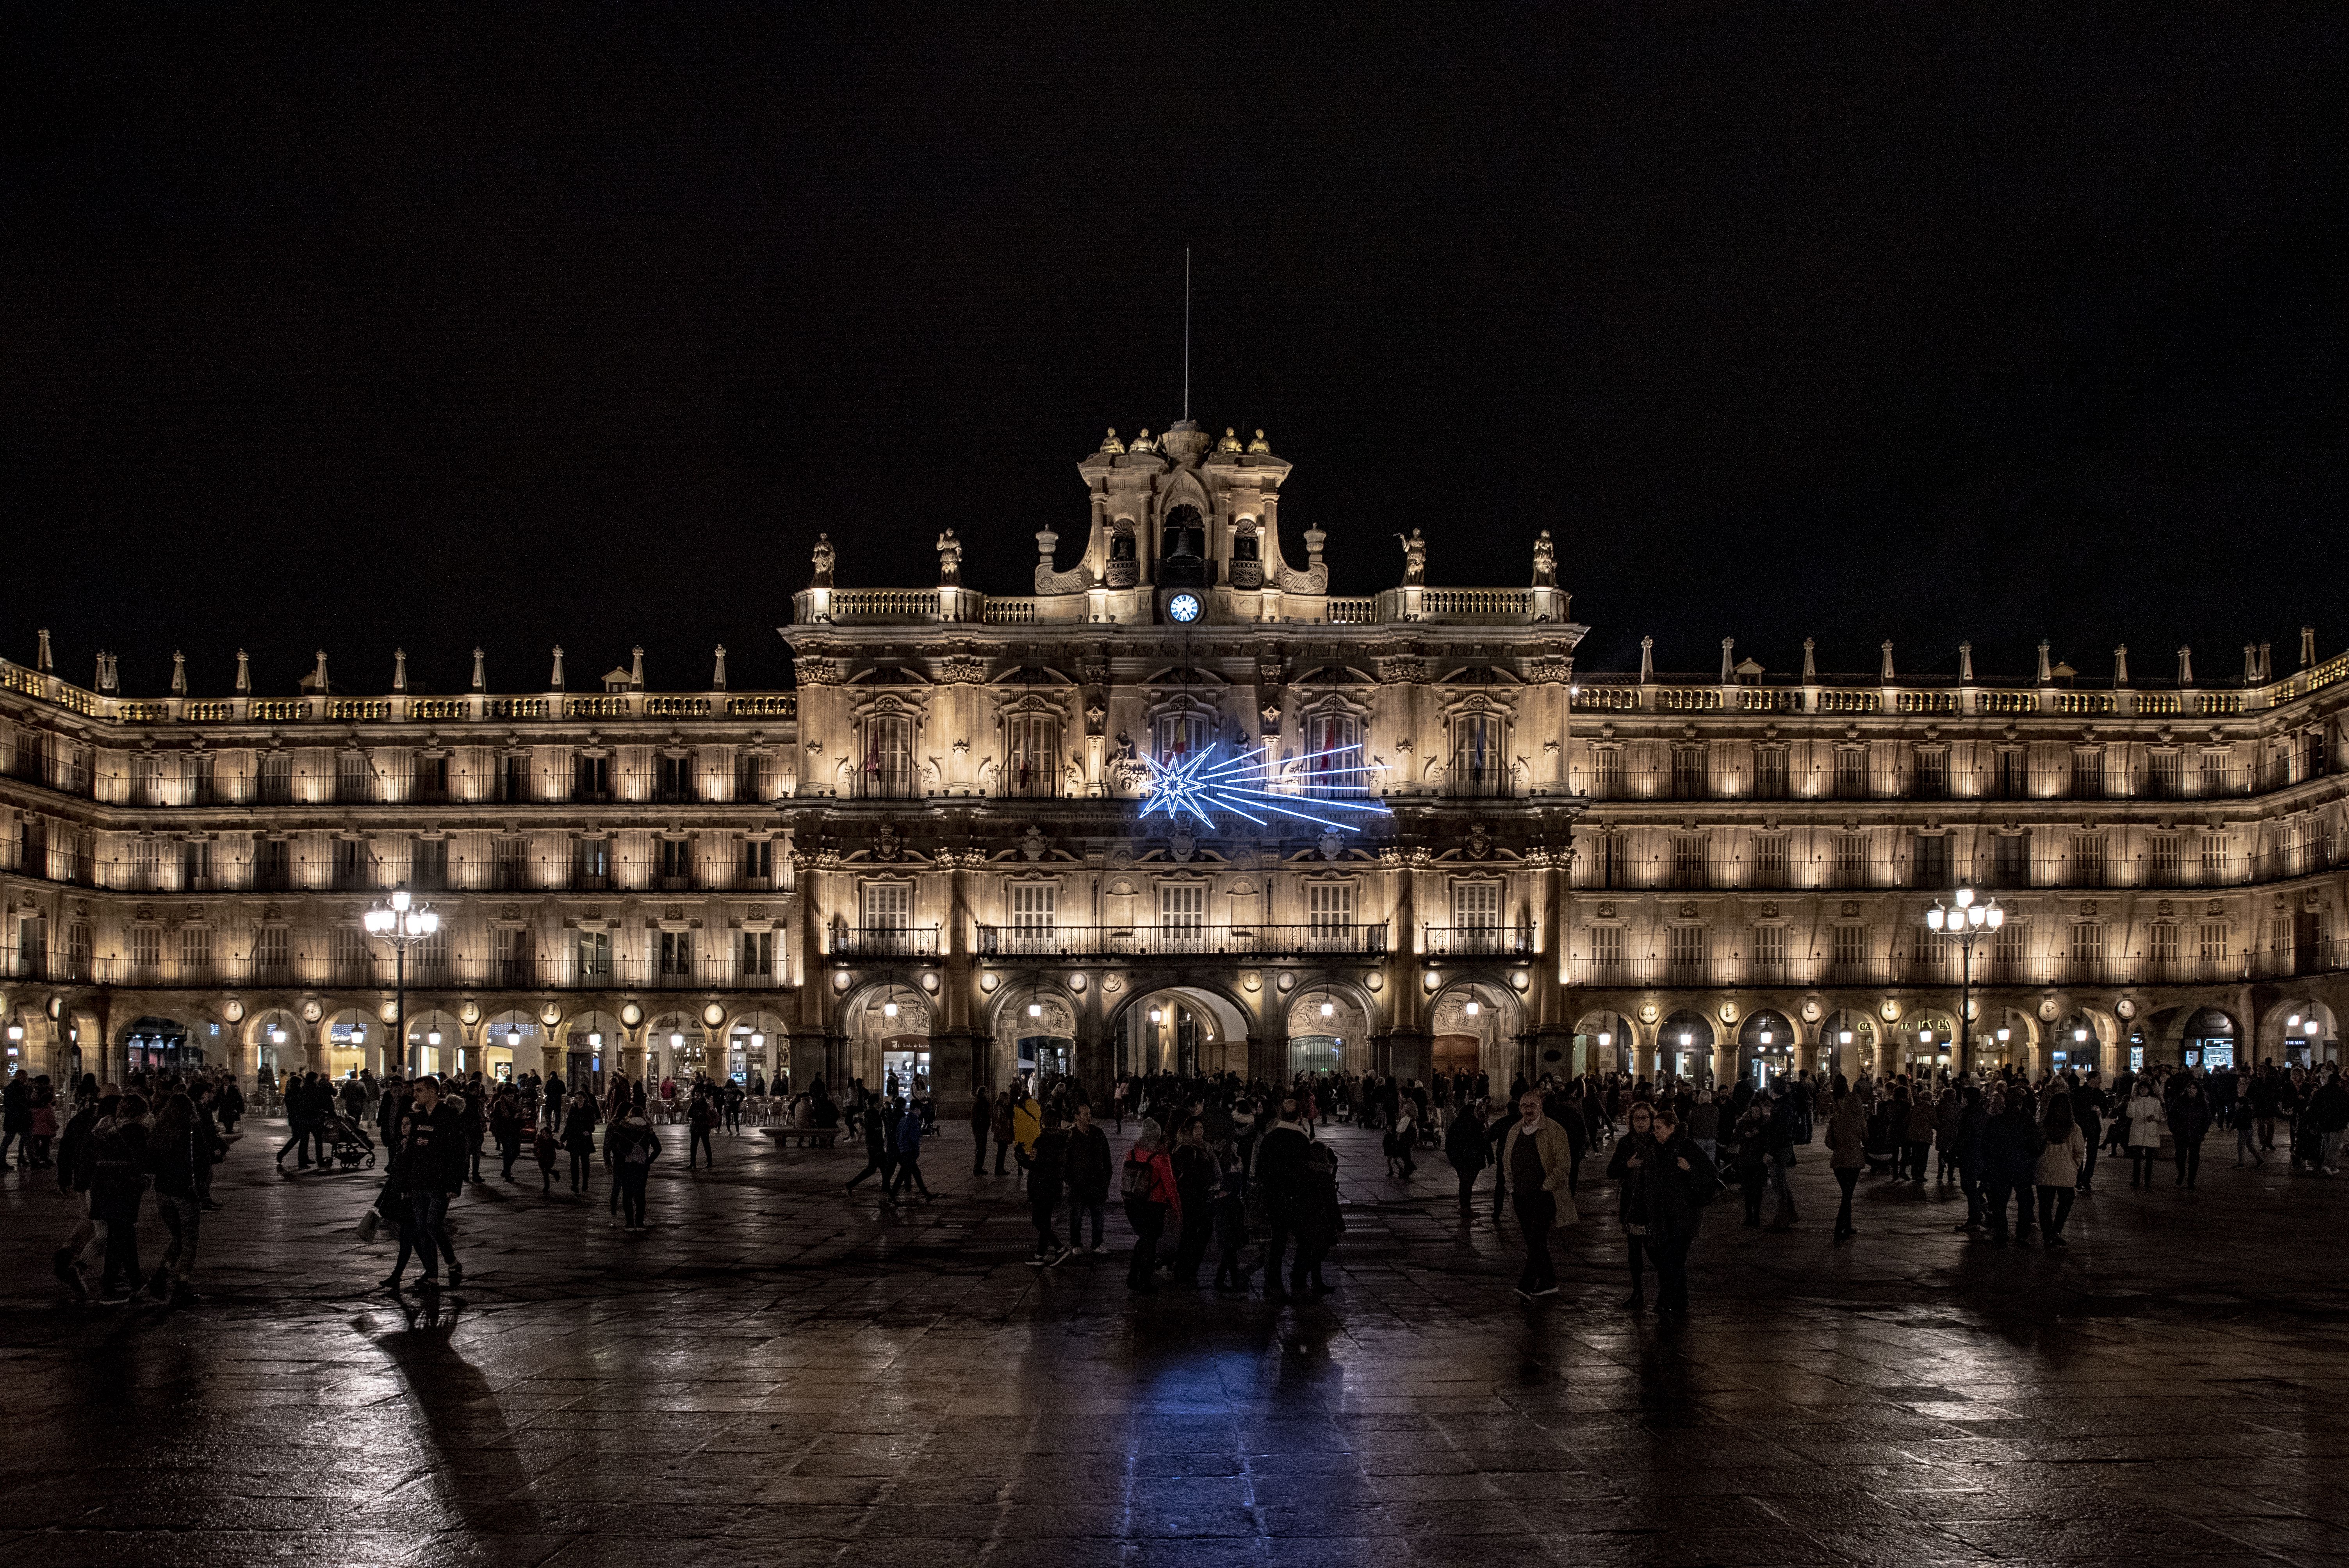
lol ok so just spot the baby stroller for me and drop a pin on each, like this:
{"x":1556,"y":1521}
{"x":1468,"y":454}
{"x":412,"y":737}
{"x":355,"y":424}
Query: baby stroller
{"x":352,"y":1146}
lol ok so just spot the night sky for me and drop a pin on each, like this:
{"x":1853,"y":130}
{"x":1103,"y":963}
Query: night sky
{"x":433,"y":330}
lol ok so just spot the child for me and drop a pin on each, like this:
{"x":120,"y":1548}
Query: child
{"x":1231,"y":1232}
{"x":545,"y":1147}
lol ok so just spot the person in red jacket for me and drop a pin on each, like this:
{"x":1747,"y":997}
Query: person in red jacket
{"x":1152,"y":1203}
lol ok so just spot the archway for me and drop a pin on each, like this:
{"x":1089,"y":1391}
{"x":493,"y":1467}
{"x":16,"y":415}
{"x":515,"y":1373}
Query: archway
{"x":158,"y":1044}
{"x":276,"y":1037}
{"x":2003,"y":1038}
{"x":1684,"y":1047}
{"x":888,"y":1028}
{"x":1604,"y":1042}
{"x":30,"y":1041}
{"x":1328,"y":1032}
{"x":591,"y":1043}
{"x":1035,"y":1034}
{"x":758,"y":1051}
{"x":353,"y":1041}
{"x":2077,"y":1043}
{"x":2299,"y":1033}
{"x":512,"y":1041}
{"x":677,"y":1047}
{"x":1474,"y":1024}
{"x":2209,"y":1041}
{"x":1765,"y":1048}
{"x":433,"y":1037}
{"x":1922,"y":1042}
{"x":1183,"y":1029}
{"x":1846,"y":1043}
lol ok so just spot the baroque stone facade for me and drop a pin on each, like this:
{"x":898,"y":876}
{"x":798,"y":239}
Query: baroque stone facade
{"x":936,"y":854}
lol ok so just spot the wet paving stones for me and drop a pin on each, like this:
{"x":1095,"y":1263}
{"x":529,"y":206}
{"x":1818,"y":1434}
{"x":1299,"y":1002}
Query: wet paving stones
{"x":778,"y":1374}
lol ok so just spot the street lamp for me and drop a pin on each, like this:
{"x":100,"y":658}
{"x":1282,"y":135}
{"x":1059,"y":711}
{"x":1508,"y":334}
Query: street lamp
{"x":1965,"y":924}
{"x":402,"y":922}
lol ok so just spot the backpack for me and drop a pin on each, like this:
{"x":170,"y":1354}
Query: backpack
{"x":1138,"y":1183}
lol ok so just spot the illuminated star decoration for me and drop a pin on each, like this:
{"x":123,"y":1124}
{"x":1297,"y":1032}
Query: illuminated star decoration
{"x":1198,"y":784}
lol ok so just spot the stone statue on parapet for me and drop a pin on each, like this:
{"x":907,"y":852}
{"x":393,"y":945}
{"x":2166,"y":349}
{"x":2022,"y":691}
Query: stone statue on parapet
{"x":1414,"y":558}
{"x":1545,"y":562}
{"x":823,"y":556}
{"x":949,"y":559}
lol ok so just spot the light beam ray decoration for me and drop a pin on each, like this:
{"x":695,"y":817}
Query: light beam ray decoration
{"x":1199,"y":783}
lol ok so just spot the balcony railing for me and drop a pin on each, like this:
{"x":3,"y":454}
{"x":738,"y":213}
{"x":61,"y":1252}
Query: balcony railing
{"x":1178,"y":940}
{"x":1476,"y":941}
{"x":883,"y":942}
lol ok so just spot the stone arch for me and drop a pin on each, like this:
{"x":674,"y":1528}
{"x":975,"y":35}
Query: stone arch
{"x":352,"y":1040}
{"x":2288,"y":1042}
{"x":882,"y":1042}
{"x":1039,"y":1043}
{"x":1136,"y":1045}
{"x":1605,"y":1041}
{"x":763,"y":1040}
{"x":1495,"y":1026}
{"x":1337,"y":1040}
{"x":279,"y":1041}
{"x":1766,"y":1041}
{"x":419,"y":1046}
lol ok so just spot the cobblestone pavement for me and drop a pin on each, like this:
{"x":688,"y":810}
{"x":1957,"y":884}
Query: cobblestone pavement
{"x":780,"y":1375}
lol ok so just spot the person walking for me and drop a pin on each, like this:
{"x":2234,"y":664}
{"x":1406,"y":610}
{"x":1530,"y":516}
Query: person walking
{"x":1469,"y":1150}
{"x":1231,"y":1231}
{"x":545,"y":1147}
{"x":2190,"y":1121}
{"x":1848,"y":1150}
{"x":2058,"y":1171}
{"x":1090,"y":1168}
{"x":982,"y":1118}
{"x":177,"y":1152}
{"x":880,"y":1160}
{"x":702,"y":1119}
{"x":1151,"y":1201}
{"x":580,"y":1116}
{"x":2088,"y":1114}
{"x":1280,"y":1172}
{"x":2145,"y":1119}
{"x":1634,"y":1156}
{"x":637,"y":1146}
{"x":909,"y":1156}
{"x":1046,"y":1163}
{"x":999,"y":1127}
{"x":116,"y":1153}
{"x":1194,"y":1186}
{"x":431,"y":1164}
{"x":17,"y":1120}
{"x":505,"y":1127}
{"x":2010,"y":1159}
{"x":1681,"y":1182}
{"x":1539,"y":1159}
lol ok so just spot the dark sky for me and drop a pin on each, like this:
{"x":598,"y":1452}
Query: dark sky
{"x":1893,"y":322}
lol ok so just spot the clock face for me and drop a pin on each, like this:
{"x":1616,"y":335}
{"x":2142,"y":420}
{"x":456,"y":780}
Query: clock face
{"x":1184,"y":606}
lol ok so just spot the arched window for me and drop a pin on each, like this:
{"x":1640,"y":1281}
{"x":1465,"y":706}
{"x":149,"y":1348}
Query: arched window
{"x":1478,"y":767}
{"x":888,"y":769}
{"x":1181,"y":734}
{"x":1033,"y":770}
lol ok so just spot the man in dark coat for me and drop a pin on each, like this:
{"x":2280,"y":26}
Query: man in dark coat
{"x":430,"y":1160}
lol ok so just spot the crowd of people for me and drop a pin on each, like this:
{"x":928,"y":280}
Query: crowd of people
{"x":1217,"y":1164}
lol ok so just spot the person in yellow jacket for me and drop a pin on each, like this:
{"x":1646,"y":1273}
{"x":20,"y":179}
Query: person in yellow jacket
{"x":1027,"y":1123}
{"x":1538,"y":1162}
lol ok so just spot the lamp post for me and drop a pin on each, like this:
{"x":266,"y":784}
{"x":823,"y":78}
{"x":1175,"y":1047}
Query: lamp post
{"x":1965,"y":924}
{"x":403,"y":923}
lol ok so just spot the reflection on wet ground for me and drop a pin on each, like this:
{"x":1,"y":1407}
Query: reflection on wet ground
{"x":777,"y":1374}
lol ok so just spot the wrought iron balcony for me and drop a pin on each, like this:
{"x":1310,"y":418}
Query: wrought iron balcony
{"x":1179,"y":940}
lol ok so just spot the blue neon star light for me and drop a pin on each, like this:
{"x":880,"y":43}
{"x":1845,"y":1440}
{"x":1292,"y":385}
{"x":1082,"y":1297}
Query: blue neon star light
{"x":1199,"y":783}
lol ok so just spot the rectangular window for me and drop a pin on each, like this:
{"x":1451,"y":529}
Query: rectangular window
{"x":428,"y":960}
{"x":2011,"y":860}
{"x":1770,"y":860}
{"x":432,"y":777}
{"x":1607,"y":771}
{"x":195,"y":951}
{"x":591,"y":778}
{"x":272,"y":864}
{"x":277,"y":779}
{"x":1182,"y":914}
{"x":2014,"y":774}
{"x":273,"y":955}
{"x":1688,"y":773}
{"x":1688,"y":861}
{"x":146,"y":952}
{"x":590,"y":864}
{"x":146,"y":779}
{"x":2215,"y":949}
{"x":887,"y":772}
{"x":1851,"y":860}
{"x":1770,"y":773}
{"x":2215,"y":771}
{"x":2089,"y":775}
{"x":509,"y":865}
{"x":77,"y":950}
{"x":1034,"y":906}
{"x":146,"y":864}
{"x":510,"y":953}
{"x":676,"y":779}
{"x":674,"y":863}
{"x":757,"y":955}
{"x":513,"y":780}
{"x":1849,"y":961}
{"x":2087,"y":860}
{"x":2162,"y":951}
{"x":203,"y":774}
{"x":2008,"y":951}
{"x":353,"y":868}
{"x":347,"y":957}
{"x":2168,"y":859}
{"x":428,"y":865}
{"x":594,"y":958}
{"x":1689,"y":954}
{"x":1934,"y":774}
{"x":1606,"y":954}
{"x":1477,"y":905}
{"x":1769,"y":954}
{"x":886,"y":906}
{"x":354,"y":777}
{"x":2214,"y":859}
{"x":2167,"y":777}
{"x":1929,"y":861}
{"x":1329,"y":906}
{"x":1478,"y":767}
{"x":1033,"y":772}
{"x":2087,"y":951}
{"x":758,"y":863}
{"x":1851,"y":774}
{"x":750,"y":775}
